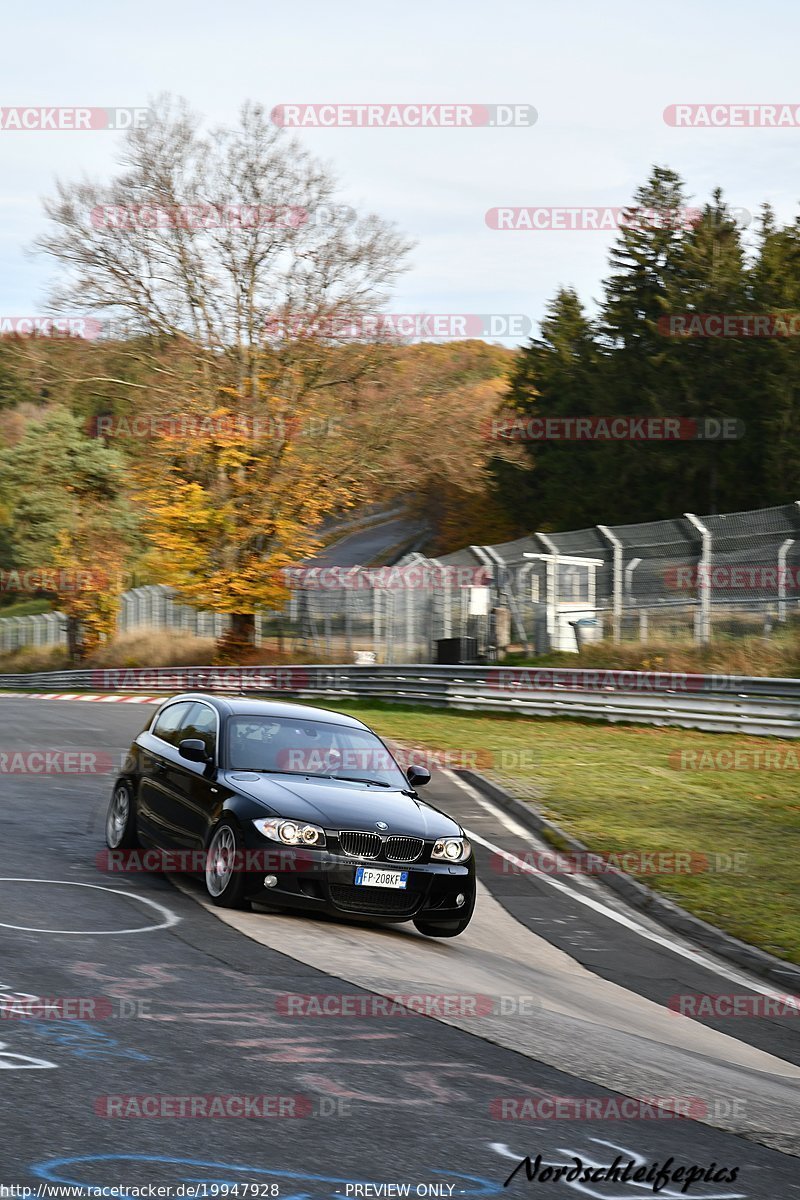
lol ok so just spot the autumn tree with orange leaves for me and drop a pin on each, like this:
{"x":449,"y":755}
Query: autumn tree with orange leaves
{"x":217,"y":258}
{"x":231,"y":498}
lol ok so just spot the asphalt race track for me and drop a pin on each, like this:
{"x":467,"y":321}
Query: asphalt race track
{"x":572,"y":1002}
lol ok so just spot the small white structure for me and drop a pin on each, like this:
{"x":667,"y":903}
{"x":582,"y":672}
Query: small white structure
{"x":566,"y":586}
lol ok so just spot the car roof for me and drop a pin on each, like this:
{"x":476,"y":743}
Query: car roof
{"x":251,"y":707}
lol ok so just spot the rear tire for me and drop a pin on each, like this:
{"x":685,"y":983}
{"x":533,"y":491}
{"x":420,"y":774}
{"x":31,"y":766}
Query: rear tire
{"x":225,"y":884}
{"x":121,"y":831}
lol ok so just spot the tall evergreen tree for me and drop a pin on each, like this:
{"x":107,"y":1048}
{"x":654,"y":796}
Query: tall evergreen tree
{"x":558,"y":375}
{"x":775,"y":284}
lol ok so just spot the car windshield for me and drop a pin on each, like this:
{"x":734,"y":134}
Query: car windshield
{"x":285,"y":745}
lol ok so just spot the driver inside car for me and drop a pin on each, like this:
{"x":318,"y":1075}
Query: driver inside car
{"x":280,"y":747}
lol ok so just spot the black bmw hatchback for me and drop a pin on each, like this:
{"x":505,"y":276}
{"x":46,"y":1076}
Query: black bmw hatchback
{"x":292,"y":805}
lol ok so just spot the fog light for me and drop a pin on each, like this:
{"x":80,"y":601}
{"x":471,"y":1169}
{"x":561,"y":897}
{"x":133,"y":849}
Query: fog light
{"x":461,"y":899}
{"x":270,"y":880}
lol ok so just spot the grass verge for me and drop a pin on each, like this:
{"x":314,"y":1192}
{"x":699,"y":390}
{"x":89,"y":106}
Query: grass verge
{"x":777,"y":655}
{"x":621,"y":788}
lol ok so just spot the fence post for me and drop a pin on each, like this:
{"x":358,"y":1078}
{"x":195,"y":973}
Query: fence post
{"x":376,"y":616}
{"x":409,"y":623}
{"x":390,"y":612}
{"x":348,"y":624}
{"x":704,"y":578}
{"x":616,"y":546}
{"x":447,"y":615}
{"x":782,"y":553}
{"x":551,"y":583}
{"x":631,"y":567}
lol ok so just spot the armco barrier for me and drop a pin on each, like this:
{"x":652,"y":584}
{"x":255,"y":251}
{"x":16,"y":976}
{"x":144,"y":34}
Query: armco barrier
{"x":718,"y":703}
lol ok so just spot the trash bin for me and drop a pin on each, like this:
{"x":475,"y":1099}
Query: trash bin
{"x":450,"y":651}
{"x":583,"y":629}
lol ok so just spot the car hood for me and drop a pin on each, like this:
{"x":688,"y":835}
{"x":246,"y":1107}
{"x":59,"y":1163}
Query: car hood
{"x":334,"y":804}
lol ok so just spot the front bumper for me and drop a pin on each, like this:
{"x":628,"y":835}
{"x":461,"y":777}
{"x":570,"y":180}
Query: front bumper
{"x":324,"y":881}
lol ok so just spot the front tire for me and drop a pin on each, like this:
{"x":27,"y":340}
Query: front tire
{"x":121,"y":831}
{"x":225,"y":884}
{"x":443,"y":929}
{"x":447,"y":929}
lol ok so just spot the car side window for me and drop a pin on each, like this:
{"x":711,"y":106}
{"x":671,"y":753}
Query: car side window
{"x":170,"y":722}
{"x":201,"y":722}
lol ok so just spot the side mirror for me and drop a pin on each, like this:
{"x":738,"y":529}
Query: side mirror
{"x":194,"y":750}
{"x":418,"y":776}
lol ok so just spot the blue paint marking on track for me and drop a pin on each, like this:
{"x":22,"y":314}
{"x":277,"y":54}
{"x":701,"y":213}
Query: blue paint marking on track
{"x":61,"y":1170}
{"x":84,"y":1040}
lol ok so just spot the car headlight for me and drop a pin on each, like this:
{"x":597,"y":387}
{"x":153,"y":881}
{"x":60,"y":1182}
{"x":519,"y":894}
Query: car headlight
{"x":291,"y":833}
{"x":454,"y":850}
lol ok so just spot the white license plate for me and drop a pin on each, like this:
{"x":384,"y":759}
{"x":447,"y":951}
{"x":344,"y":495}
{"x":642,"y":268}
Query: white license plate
{"x":372,"y":877}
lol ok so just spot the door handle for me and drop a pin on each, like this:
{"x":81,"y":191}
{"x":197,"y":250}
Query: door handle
{"x":159,"y":767}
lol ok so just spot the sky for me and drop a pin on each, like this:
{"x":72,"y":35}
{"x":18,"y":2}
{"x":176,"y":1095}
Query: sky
{"x":599,"y":76}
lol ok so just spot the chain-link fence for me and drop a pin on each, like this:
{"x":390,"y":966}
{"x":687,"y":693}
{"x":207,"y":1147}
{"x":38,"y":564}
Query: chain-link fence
{"x":686,"y":579}
{"x":680,"y":580}
{"x":141,"y":608}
